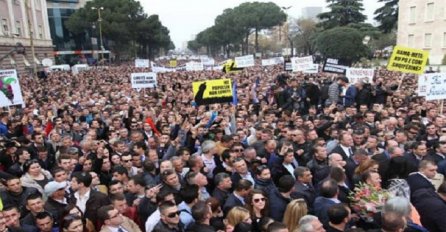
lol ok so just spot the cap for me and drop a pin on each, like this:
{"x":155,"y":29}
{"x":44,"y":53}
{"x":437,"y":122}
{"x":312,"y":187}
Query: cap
{"x":53,"y":186}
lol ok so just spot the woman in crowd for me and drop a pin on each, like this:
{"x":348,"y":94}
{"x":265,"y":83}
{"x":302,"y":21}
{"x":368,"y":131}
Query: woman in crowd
{"x":35,"y":176}
{"x":72,"y":209}
{"x":295,"y":210}
{"x":235,"y":216}
{"x":72,"y":223}
{"x":21,"y":155}
{"x":258,"y":205}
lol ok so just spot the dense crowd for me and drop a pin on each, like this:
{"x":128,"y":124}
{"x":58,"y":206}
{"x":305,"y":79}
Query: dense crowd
{"x":89,"y":153}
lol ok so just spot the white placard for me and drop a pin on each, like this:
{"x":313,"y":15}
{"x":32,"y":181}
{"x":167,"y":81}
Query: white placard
{"x":10,"y":92}
{"x":244,"y":61}
{"x":142,"y":63}
{"x":300,"y":64}
{"x":194,"y":66}
{"x":143,"y":80}
{"x":422,"y":85}
{"x":272,"y":61}
{"x":206,"y":61}
{"x":360,"y":74}
{"x":314,"y":69}
{"x":436,"y":86}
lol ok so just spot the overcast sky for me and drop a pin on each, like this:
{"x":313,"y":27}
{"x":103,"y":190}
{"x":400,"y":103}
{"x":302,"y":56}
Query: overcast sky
{"x":186,"y":18}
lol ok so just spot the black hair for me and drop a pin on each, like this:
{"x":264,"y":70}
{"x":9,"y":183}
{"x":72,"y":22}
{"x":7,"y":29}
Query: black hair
{"x":83,"y":177}
{"x":337,"y":213}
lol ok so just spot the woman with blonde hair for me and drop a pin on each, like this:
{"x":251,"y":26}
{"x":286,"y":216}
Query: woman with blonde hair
{"x":235,"y":216}
{"x":295,"y":210}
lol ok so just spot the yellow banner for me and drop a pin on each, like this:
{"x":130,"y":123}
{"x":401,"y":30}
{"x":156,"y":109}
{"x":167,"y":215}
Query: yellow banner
{"x":212,"y":91}
{"x":408,"y":60}
{"x":173,"y":63}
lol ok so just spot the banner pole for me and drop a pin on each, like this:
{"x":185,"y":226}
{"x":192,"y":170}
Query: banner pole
{"x":441,"y":106}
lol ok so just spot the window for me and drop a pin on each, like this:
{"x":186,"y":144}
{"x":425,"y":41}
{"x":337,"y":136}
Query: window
{"x":430,"y":11}
{"x":427,"y":40}
{"x":444,"y":39}
{"x":18,"y":28}
{"x":412,"y":14}
{"x":38,"y":5}
{"x":40,"y":32}
{"x":5,"y":26}
{"x":410,"y":40}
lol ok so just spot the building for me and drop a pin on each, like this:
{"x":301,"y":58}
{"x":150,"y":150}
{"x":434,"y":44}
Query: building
{"x":311,"y":12}
{"x":15,"y":28}
{"x":422,"y":25}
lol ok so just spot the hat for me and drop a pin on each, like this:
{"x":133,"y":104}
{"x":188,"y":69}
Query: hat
{"x":53,"y":186}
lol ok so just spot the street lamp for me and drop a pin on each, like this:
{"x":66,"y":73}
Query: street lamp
{"x":100,"y":28}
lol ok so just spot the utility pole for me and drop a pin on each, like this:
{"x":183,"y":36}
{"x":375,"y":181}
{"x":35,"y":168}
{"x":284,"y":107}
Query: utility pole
{"x":100,"y":29}
{"x":31,"y":39}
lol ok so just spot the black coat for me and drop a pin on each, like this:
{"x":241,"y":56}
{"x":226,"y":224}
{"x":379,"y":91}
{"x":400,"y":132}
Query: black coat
{"x":308,"y":192}
{"x":416,"y":182}
{"x":231,"y":202}
{"x":94,"y":202}
{"x":321,"y":205}
{"x":338,"y":149}
{"x":278,"y":204}
{"x":432,"y":209}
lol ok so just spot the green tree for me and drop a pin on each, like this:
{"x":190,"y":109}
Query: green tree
{"x":342,"y":13}
{"x":342,"y":43}
{"x":305,"y":35}
{"x":387,"y":15}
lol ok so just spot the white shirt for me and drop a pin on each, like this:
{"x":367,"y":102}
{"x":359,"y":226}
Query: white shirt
{"x":346,"y":150}
{"x":210,"y":165}
{"x":81,"y":201}
{"x":115,"y":229}
{"x":290,"y":169}
{"x":153,"y":219}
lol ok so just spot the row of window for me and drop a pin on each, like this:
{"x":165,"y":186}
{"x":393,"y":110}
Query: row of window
{"x":429,"y":14}
{"x":18,"y":29}
{"x":427,"y":40}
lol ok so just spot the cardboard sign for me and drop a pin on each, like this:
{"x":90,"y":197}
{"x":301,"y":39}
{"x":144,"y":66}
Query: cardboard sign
{"x":422,"y":85}
{"x":287,"y":66}
{"x":436,"y":86}
{"x":244,"y":61}
{"x":360,"y":74}
{"x":408,"y":60}
{"x":314,"y":69}
{"x":173,"y":63}
{"x":206,"y":61}
{"x":272,"y":61}
{"x":300,"y":64}
{"x":212,"y":91}
{"x":194,"y":66}
{"x":143,"y":80}
{"x":332,"y":65}
{"x":10,"y":92}
{"x":142,"y":63}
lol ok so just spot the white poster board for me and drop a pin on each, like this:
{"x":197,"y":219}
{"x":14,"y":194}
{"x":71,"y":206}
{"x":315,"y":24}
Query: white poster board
{"x":143,"y":80}
{"x":79,"y":68}
{"x":360,"y":74}
{"x":436,"y":86}
{"x":314,"y":69}
{"x":142,"y":63}
{"x":272,"y":61}
{"x":206,"y":61}
{"x":244,"y":61}
{"x":300,"y":64}
{"x":10,"y":92}
{"x":422,"y":85}
{"x":194,"y":66}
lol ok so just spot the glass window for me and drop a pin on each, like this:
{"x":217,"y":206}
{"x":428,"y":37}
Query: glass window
{"x":444,"y":39}
{"x":427,"y":40}
{"x":410,"y":41}
{"x":430,"y":11}
{"x":412,"y":14}
{"x":18,"y":27}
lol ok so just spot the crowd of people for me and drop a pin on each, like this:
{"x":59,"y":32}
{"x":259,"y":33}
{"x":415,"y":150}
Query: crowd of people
{"x":89,"y":153}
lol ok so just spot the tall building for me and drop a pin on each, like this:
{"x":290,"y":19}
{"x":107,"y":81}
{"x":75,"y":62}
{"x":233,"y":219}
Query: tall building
{"x":311,"y":12}
{"x":422,"y":25}
{"x":17,"y":20}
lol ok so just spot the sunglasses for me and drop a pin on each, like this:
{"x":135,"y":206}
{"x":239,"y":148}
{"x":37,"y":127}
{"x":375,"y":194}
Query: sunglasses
{"x":237,"y":150}
{"x":259,"y":199}
{"x":174,"y":214}
{"x":126,"y":161}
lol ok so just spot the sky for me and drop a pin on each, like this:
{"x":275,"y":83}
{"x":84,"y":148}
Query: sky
{"x":186,"y":18}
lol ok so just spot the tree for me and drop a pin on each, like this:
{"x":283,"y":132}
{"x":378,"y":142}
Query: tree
{"x":304,"y":36}
{"x":387,"y":15}
{"x":341,"y":43}
{"x":342,"y":13}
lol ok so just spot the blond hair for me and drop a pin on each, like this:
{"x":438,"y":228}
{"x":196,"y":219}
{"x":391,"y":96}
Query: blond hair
{"x":295,"y":210}
{"x":236,"y":215}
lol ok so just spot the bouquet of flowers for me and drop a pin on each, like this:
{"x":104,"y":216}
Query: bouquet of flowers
{"x":367,"y":200}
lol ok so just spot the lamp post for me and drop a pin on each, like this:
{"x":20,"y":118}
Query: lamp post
{"x":100,"y":28}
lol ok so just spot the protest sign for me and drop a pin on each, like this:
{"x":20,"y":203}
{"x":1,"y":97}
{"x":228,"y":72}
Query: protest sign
{"x":422,"y":85}
{"x":272,"y":61}
{"x":142,"y":63}
{"x":244,"y":61}
{"x":212,"y":91}
{"x":299,"y":64}
{"x":436,"y":86}
{"x":206,"y":61}
{"x":10,"y":92}
{"x":143,"y":80}
{"x":332,"y":65}
{"x":408,"y":60}
{"x":194,"y":66}
{"x":173,"y":63}
{"x":314,"y":69}
{"x":360,"y":74}
{"x":287,"y":66}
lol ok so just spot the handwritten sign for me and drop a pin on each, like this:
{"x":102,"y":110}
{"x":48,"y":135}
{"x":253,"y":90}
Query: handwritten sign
{"x":360,"y":74}
{"x":408,"y":60}
{"x":10,"y":92}
{"x":436,"y":86}
{"x":300,"y":64}
{"x":272,"y":61}
{"x":142,"y":63}
{"x":422,"y":85}
{"x":143,"y":80}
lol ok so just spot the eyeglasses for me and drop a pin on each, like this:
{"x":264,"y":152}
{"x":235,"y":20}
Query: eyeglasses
{"x":259,"y":199}
{"x":237,"y":150}
{"x":126,"y":161}
{"x":174,"y":214}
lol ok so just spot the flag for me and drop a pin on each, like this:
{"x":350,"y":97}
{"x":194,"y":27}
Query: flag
{"x":234,"y":93}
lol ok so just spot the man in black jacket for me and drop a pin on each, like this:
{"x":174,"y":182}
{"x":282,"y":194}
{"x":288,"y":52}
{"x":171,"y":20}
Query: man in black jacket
{"x":16,"y":194}
{"x":237,"y":198}
{"x":432,"y":207}
{"x":202,"y":214}
{"x":56,"y":202}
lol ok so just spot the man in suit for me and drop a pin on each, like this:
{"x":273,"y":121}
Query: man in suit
{"x":432,"y":207}
{"x":303,"y":186}
{"x":241,"y":171}
{"x":223,"y":185}
{"x":419,"y":152}
{"x":422,"y":178}
{"x":84,"y":197}
{"x":237,"y":198}
{"x":345,"y":148}
{"x":115,"y":221}
{"x":328,"y":196}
